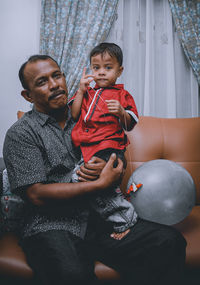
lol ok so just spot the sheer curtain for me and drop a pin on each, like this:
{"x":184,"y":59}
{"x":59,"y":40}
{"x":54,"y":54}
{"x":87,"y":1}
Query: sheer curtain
{"x":156,"y":71}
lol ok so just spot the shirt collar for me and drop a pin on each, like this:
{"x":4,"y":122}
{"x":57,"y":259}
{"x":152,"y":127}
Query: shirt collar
{"x":44,"y":118}
{"x":115,"y":86}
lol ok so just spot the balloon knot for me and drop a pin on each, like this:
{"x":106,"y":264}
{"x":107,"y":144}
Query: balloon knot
{"x":134,"y":187}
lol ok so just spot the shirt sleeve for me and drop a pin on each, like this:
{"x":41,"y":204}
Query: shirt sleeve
{"x":70,"y":101}
{"x":129,"y":105}
{"x":23,"y":160}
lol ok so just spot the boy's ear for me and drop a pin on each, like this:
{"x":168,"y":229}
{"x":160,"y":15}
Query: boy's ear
{"x":121,"y":68}
{"x":26,"y":94}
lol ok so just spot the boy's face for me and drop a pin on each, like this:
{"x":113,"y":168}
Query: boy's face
{"x":106,"y":69}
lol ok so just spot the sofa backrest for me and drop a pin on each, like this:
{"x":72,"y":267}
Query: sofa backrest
{"x":162,"y":138}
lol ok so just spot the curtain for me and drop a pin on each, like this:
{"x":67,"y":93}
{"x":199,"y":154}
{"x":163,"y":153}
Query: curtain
{"x":186,"y":14}
{"x":156,"y":70}
{"x":70,"y":29}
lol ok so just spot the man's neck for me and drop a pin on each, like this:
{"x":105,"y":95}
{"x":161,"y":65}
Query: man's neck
{"x":60,"y":116}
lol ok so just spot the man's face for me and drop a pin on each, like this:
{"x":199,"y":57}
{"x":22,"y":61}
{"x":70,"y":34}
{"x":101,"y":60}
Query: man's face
{"x":47,"y":86}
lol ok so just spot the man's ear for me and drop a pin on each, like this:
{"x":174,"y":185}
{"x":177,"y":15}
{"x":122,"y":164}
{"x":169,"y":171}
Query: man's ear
{"x":121,"y":68}
{"x":26,"y":94}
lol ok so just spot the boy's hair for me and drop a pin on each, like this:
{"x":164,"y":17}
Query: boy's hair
{"x":112,"y":49}
{"x":32,"y":58}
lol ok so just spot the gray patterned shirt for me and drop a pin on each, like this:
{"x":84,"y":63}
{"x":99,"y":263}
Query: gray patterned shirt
{"x":38,"y":150}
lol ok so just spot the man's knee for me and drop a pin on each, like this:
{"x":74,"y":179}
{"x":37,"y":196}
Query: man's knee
{"x":73,"y":275}
{"x":176,"y":237}
{"x":173,"y":240}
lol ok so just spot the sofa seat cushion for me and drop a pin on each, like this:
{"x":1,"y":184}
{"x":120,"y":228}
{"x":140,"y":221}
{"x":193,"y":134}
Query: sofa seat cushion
{"x":105,"y":273}
{"x":12,"y":259}
{"x":190,"y":228}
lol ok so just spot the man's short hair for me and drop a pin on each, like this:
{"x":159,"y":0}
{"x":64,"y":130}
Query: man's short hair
{"x":112,"y":49}
{"x":32,"y":58}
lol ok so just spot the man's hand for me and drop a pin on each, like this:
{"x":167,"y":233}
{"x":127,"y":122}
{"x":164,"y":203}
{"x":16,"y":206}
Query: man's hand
{"x":110,"y":175}
{"x":91,"y":170}
{"x":98,"y":168}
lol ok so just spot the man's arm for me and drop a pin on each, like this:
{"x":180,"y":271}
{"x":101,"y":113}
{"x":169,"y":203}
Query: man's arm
{"x":40,"y":194}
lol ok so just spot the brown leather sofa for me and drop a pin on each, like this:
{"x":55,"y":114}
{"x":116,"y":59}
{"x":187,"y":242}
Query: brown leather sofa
{"x":153,"y":138}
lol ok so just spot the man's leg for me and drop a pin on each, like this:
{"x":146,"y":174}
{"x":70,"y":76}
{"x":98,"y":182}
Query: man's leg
{"x":58,"y":257}
{"x":149,"y":254}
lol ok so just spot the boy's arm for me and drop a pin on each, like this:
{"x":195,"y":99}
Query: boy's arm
{"x":76,"y":105}
{"x":116,"y":108}
{"x":77,"y":102}
{"x":126,"y":120}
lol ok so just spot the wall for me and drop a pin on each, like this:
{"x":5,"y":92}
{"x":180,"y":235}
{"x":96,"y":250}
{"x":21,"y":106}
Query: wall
{"x":19,"y":34}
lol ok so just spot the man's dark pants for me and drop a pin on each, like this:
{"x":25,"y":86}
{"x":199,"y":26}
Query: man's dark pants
{"x":149,"y":254}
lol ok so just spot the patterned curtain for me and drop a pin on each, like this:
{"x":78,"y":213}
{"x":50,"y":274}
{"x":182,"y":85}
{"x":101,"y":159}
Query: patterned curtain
{"x":186,"y":14}
{"x":70,"y":29}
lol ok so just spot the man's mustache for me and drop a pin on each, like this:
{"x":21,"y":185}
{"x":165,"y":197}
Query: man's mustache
{"x":56,"y":93}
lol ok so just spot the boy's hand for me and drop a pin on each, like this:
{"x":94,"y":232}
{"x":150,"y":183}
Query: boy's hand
{"x":85,"y":81}
{"x":115,"y":107}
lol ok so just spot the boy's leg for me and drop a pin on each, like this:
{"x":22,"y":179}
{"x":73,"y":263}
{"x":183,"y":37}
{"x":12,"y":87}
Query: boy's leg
{"x":58,"y":257}
{"x":77,"y":167}
{"x":149,"y":254}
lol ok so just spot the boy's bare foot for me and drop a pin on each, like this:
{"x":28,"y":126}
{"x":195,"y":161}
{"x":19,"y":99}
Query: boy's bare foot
{"x":119,"y":236}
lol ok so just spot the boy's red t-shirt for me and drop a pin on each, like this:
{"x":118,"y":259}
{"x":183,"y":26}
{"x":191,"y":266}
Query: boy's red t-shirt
{"x":98,"y":129}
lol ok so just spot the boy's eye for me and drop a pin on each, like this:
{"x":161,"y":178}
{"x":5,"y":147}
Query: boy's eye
{"x":95,"y":67}
{"x":108,"y":67}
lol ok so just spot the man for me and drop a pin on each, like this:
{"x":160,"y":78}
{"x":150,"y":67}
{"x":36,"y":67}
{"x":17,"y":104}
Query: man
{"x":61,"y":236}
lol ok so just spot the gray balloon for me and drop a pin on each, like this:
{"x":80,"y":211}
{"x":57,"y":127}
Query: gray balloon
{"x":167,"y":194}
